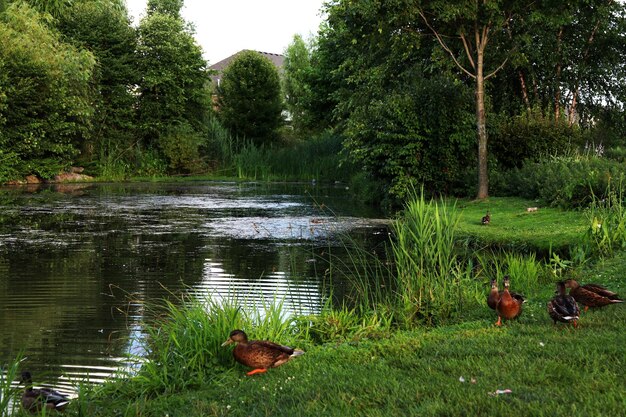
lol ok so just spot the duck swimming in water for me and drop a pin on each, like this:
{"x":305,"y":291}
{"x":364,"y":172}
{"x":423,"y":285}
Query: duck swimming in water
{"x":34,"y":399}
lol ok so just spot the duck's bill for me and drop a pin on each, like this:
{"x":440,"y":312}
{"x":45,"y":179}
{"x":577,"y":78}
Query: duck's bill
{"x":227,"y":342}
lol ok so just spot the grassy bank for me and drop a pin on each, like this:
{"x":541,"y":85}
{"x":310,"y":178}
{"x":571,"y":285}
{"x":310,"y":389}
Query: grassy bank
{"x":386,"y":361}
{"x":451,"y":370}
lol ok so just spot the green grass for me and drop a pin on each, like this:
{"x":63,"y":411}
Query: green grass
{"x":513,"y":227}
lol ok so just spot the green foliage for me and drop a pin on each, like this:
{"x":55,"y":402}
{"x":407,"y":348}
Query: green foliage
{"x":169,"y":7}
{"x":249,"y":98}
{"x":530,"y":136}
{"x":297,"y":70}
{"x":9,"y":372}
{"x":180,"y":145}
{"x":104,"y":29}
{"x":174,"y":77}
{"x":45,"y":97}
{"x":607,"y":221}
{"x":432,"y":283}
{"x":568,"y":182}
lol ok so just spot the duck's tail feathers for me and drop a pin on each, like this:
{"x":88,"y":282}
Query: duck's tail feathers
{"x":617,"y":301}
{"x":297,"y":352}
{"x":570,"y":318}
{"x":61,"y":404}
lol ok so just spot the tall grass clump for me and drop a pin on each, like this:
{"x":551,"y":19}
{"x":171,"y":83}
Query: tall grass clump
{"x":607,"y":222}
{"x":527,"y":273}
{"x":184,"y":340}
{"x":8,"y":374}
{"x":432,"y":282}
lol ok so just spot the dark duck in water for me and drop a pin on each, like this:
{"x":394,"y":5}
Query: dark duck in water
{"x":259,"y":354}
{"x":34,"y":399}
{"x":563,"y":307}
{"x":508,"y":306}
{"x":592,"y":295}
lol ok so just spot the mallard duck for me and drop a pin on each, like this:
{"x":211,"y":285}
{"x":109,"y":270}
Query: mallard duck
{"x":592,"y":295}
{"x":508,"y":306}
{"x":486,"y":218}
{"x":34,"y":399}
{"x":259,"y":354}
{"x":494,"y":295}
{"x":563,"y":307}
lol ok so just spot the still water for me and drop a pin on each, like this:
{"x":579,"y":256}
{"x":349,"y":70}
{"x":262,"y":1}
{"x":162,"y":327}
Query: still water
{"x":77,"y":262}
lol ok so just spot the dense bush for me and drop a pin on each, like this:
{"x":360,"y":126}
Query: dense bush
{"x":530,"y":136}
{"x":566,"y":182}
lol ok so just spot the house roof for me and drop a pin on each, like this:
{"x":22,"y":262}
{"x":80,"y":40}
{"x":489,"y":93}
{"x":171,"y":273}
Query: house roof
{"x":218,"y":67}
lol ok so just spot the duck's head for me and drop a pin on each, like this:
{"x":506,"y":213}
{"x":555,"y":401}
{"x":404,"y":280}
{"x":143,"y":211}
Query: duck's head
{"x":494,"y":284}
{"x":560,"y":288}
{"x":507,"y":281}
{"x":26,"y":378}
{"x":571,"y":283}
{"x":236,"y":336}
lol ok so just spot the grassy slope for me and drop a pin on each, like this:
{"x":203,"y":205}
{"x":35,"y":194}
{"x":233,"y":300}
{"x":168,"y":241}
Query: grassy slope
{"x":511,"y":225}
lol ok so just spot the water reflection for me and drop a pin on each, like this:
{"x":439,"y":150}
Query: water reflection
{"x":78,"y":263}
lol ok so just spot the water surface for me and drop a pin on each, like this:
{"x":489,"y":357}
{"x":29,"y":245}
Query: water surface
{"x":77,"y":262}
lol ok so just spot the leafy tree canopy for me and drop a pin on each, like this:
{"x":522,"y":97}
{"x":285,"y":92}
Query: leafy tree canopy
{"x":249,"y":98}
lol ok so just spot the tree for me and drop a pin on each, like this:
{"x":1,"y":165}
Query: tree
{"x":173,"y":87}
{"x":465,"y":29}
{"x":103,"y":28}
{"x":45,"y":108}
{"x":297,"y":71}
{"x":249,"y":98}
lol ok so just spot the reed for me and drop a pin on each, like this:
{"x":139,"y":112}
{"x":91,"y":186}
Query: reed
{"x":8,"y":373}
{"x":432,"y":282}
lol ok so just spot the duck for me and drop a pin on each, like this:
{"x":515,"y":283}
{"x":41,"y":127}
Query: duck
{"x":259,"y":354}
{"x":486,"y":218}
{"x":508,"y":306}
{"x":495,"y":294}
{"x":592,"y":295}
{"x":34,"y":399}
{"x":563,"y":307}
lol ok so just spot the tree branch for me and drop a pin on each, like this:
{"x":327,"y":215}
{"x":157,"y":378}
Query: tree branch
{"x":491,"y":74}
{"x":467,"y":51}
{"x":445,"y":47}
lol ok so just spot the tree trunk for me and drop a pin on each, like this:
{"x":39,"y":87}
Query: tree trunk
{"x":481,"y":125}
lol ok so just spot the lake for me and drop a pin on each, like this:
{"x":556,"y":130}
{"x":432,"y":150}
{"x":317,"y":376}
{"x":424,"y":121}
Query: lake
{"x":78,"y":262}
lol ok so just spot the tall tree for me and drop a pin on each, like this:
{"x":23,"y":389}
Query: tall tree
{"x":174,"y":75}
{"x":249,"y":98}
{"x":103,"y":27}
{"x":464,"y":30}
{"x":297,"y":71}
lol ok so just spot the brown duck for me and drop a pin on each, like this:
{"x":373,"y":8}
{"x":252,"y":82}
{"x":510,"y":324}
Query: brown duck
{"x":508,"y":306}
{"x":563,"y":307}
{"x":486,"y":218}
{"x":259,"y":354}
{"x":34,"y":399}
{"x":494,"y":295}
{"x":592,"y":295}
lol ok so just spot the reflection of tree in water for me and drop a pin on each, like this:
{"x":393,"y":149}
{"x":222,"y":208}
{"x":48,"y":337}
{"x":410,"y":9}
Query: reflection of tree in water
{"x":77,"y":269}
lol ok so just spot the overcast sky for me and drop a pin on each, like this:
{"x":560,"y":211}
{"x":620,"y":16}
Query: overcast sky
{"x":227,"y":26}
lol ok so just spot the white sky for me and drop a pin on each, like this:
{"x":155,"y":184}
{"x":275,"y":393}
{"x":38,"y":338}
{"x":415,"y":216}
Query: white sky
{"x":224,"y":27}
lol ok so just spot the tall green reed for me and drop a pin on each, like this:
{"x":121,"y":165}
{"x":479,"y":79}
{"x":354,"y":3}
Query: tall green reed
{"x":432,"y":282}
{"x":8,"y":374}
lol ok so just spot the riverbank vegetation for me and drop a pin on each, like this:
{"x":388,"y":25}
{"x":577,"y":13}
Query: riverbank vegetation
{"x":374,"y":102}
{"x":111,"y":96}
{"x":414,"y":334}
